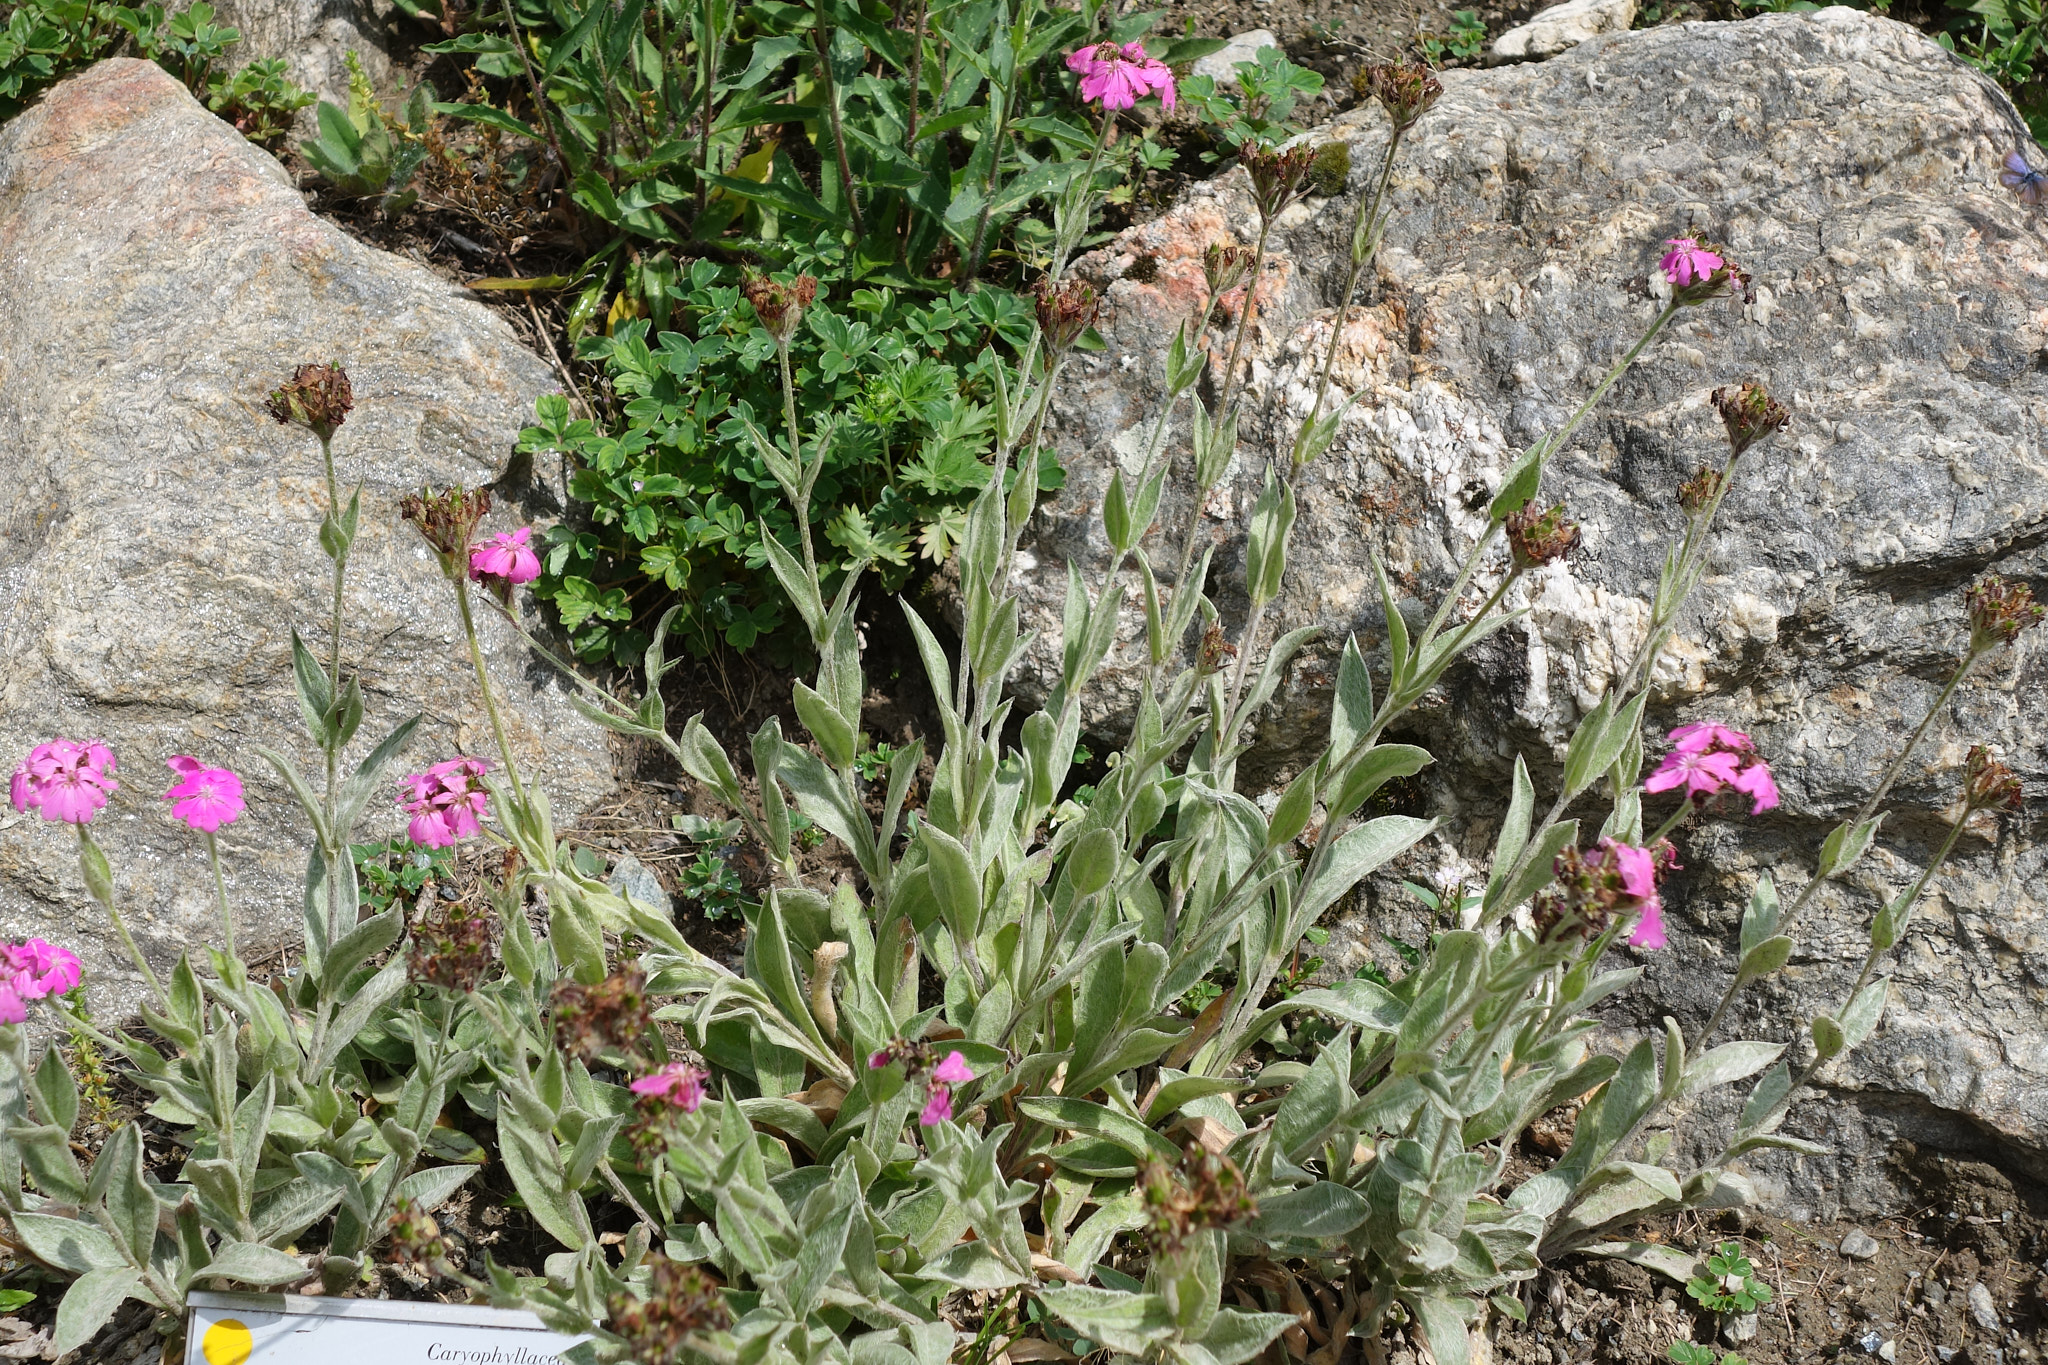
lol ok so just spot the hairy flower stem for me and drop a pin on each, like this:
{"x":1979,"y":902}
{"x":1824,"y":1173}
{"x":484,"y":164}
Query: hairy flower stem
{"x":220,"y":886}
{"x":1368,"y":213}
{"x":796,"y":456}
{"x":89,"y":854}
{"x":1226,"y":389}
{"x":483,"y":682}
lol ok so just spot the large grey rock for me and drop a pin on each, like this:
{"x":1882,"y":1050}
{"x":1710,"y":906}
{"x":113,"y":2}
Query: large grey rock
{"x":157,"y":529}
{"x":1900,"y":309}
{"x":314,"y":39}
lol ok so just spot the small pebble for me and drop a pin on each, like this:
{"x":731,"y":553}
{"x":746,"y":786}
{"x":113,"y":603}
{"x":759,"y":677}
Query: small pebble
{"x":1859,"y":1245}
{"x":1889,"y":1351}
{"x":1870,"y":1341}
{"x":1945,"y":1354}
{"x":1982,"y":1310}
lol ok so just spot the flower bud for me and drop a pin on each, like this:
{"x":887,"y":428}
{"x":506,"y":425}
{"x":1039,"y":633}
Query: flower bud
{"x":1404,"y":89}
{"x":448,"y":520}
{"x":1537,"y":538}
{"x":1223,"y":266}
{"x":780,"y":307}
{"x":1065,"y":310}
{"x":1989,"y":784}
{"x":1999,"y":610}
{"x":1276,"y":175}
{"x":1750,"y":414}
{"x":317,"y":397}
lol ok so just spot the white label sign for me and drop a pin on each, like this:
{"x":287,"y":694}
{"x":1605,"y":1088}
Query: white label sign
{"x":287,"y":1329}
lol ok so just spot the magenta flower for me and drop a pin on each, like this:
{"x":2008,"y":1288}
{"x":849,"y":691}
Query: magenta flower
{"x":206,"y":798}
{"x":505,"y":557}
{"x":445,"y":801}
{"x":1649,"y":930}
{"x":1118,"y":77}
{"x":679,"y":1083}
{"x":38,"y":968}
{"x":1688,"y":262}
{"x":953,"y":1071}
{"x":12,"y":1009}
{"x":64,"y":780}
{"x":938,"y":1108}
{"x":1707,"y":758}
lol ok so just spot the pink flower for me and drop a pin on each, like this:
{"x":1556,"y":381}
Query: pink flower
{"x":206,"y":798}
{"x":681,"y":1084}
{"x":879,"y":1060}
{"x":953,"y":1071}
{"x":1688,"y":262}
{"x":64,"y":780}
{"x":1119,"y":77}
{"x":12,"y":1010}
{"x":1701,"y":774}
{"x":938,"y":1108}
{"x":445,"y":801}
{"x":506,"y":557}
{"x":1708,"y":757}
{"x":39,"y":968}
{"x":1638,"y":868}
{"x":1649,"y":930}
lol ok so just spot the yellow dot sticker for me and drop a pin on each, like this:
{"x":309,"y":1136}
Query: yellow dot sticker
{"x":227,"y":1342}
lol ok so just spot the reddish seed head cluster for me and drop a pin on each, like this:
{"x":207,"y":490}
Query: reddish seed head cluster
{"x":681,"y":1300}
{"x":317,"y":397}
{"x":1595,"y":886}
{"x":447,"y":519}
{"x":1537,"y":538}
{"x":451,"y":946}
{"x":1405,"y":90}
{"x":1278,"y":177}
{"x":1223,"y":266}
{"x":1989,"y":784}
{"x":1065,"y":310}
{"x":1702,"y":488}
{"x":1999,"y":610}
{"x":611,"y":1014}
{"x":1750,"y":414}
{"x":1203,"y":1191}
{"x":779,"y":306}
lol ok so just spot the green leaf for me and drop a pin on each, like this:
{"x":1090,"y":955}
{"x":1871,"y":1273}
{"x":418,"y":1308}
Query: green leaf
{"x":1083,"y":1116}
{"x":88,"y":1303}
{"x":1845,"y":844}
{"x":1356,"y":853}
{"x":1765,"y":958}
{"x":1131,"y":1323}
{"x":256,"y":1264}
{"x":1727,"y":1064}
{"x":1865,"y":1008}
{"x":68,"y":1244}
{"x":1324,"y":1209}
{"x":435,"y":1186}
{"x":1235,"y":1336}
{"x":316,"y":695}
{"x":56,"y":1094}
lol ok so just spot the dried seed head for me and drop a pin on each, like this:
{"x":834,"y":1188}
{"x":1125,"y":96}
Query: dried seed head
{"x":1223,"y":266}
{"x":1999,"y":610}
{"x":1203,"y":1191}
{"x":1701,"y":489}
{"x":1277,"y":176}
{"x":1215,"y":651}
{"x":779,"y":306}
{"x":1065,"y":310}
{"x":611,"y":1014}
{"x":681,"y":1300}
{"x":1537,"y":538}
{"x":1750,"y":414}
{"x":451,"y":946}
{"x":448,"y":520}
{"x":316,"y":397}
{"x":1989,"y":784}
{"x":1404,"y":89}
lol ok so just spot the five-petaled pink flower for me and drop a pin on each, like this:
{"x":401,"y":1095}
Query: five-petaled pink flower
{"x":445,"y":801}
{"x":953,"y":1071}
{"x":1688,"y":262}
{"x":204,"y":798}
{"x":506,"y":557}
{"x":938,"y":1108}
{"x":679,"y":1083}
{"x":1706,"y":758}
{"x":1119,"y":77}
{"x":64,"y":780}
{"x":1637,"y":869}
{"x":32,"y":971}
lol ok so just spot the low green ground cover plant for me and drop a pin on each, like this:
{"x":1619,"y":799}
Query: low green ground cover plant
{"x":963,"y":1063}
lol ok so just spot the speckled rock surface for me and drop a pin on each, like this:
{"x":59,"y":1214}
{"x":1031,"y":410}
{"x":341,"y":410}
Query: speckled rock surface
{"x":1561,"y":26}
{"x":158,"y":275}
{"x":314,"y":38}
{"x":1902,"y":297}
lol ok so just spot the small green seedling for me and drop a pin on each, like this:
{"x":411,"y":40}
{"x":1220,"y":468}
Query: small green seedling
{"x":1731,"y":1285}
{"x":1692,"y":1353}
